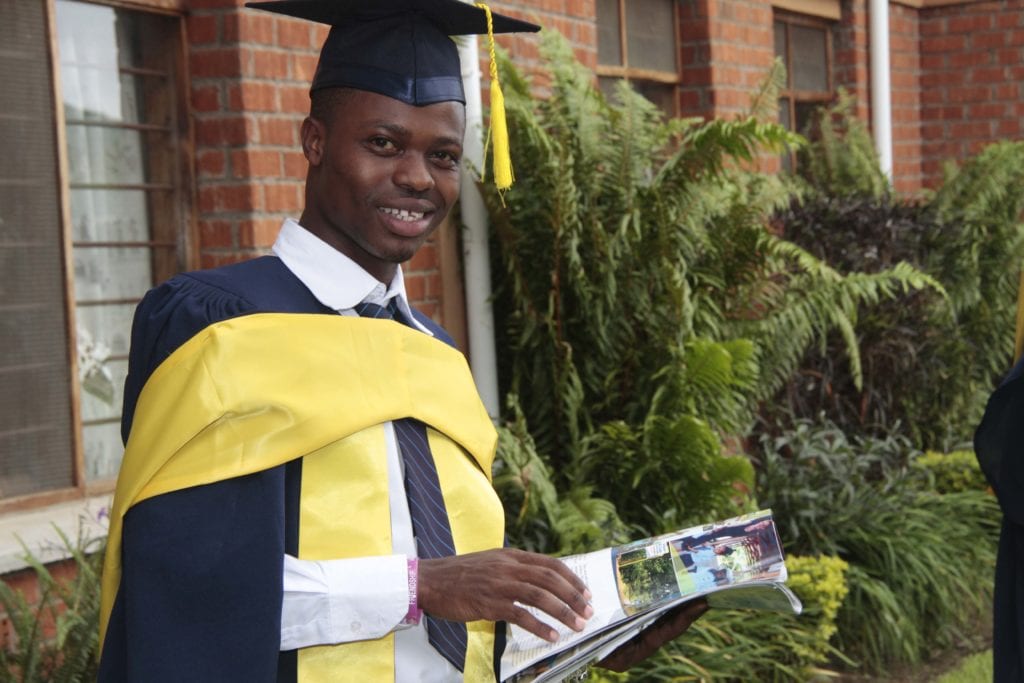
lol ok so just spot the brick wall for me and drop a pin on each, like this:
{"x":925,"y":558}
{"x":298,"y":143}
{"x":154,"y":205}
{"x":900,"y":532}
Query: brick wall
{"x":25,"y":581}
{"x":972,"y":70}
{"x":905,"y":69}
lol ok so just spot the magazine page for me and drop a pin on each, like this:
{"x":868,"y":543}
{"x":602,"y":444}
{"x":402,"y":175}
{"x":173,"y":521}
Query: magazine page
{"x":649,"y":576}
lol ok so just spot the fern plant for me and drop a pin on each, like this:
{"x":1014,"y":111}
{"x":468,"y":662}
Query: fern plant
{"x":646,"y":308}
{"x":929,"y":357}
{"x":70,"y":607}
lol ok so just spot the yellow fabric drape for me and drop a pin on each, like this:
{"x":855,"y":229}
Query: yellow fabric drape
{"x":264,"y":389}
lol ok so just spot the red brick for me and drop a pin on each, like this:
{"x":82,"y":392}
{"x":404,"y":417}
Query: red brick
{"x":970,"y":23}
{"x":267,"y":64}
{"x":216,"y":131}
{"x":435,"y":289}
{"x":295,"y":165}
{"x":258,"y":233}
{"x":933,"y":27}
{"x":1009,"y":128}
{"x":294,"y":99}
{"x":944,"y":43}
{"x":969,"y":94}
{"x":215,"y":233}
{"x":972,"y":58}
{"x":253,"y":96}
{"x":227,"y":198}
{"x":1005,"y":20}
{"x":210,"y":163}
{"x":429,"y":308}
{"x":987,"y":110}
{"x":989,"y":75}
{"x":1006,"y":91}
{"x":255,"y":163}
{"x":215,"y":63}
{"x":303,"y":67}
{"x":971,"y":129}
{"x":218,"y":259}
{"x":202,"y":29}
{"x":933,"y":61}
{"x":282,"y":197}
{"x":988,"y":41}
{"x":938,"y":79}
{"x":425,"y":259}
{"x":249,"y":27}
{"x":24,"y":581}
{"x":279,"y":131}
{"x":294,"y":34}
{"x":206,"y":98}
{"x":194,"y":5}
{"x":1010,"y":56}
{"x":415,"y":287}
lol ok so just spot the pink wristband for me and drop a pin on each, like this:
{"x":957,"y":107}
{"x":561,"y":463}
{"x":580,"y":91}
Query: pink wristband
{"x":413,"y":616}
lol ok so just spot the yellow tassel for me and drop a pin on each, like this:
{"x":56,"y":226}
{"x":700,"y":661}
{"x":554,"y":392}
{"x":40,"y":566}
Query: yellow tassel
{"x":498,"y":129}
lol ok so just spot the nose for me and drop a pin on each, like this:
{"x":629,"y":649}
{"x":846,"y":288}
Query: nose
{"x":413,"y":173}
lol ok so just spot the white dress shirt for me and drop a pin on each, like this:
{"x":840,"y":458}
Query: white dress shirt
{"x":340,"y":601}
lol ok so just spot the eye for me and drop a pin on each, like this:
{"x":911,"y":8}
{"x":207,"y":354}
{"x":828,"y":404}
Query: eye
{"x":383,"y":144}
{"x":446,"y":159}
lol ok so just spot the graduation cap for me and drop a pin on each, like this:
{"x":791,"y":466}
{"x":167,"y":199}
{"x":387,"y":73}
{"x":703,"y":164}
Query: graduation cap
{"x":402,"y":49}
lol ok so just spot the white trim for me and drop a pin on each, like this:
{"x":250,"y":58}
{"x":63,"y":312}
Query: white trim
{"x":36,"y":531}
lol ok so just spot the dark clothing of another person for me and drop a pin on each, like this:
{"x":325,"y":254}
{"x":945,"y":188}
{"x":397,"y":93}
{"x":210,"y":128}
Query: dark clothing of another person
{"x":999,"y":443}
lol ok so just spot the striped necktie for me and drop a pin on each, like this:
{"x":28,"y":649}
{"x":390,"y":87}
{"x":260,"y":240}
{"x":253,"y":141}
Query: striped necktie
{"x":426,"y":504}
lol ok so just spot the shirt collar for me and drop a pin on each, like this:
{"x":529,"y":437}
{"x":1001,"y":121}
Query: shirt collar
{"x":334,"y":279}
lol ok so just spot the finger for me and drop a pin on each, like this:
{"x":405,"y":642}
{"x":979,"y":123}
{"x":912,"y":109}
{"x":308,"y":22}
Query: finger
{"x":522,"y":618}
{"x":559,"y":589}
{"x":552,"y":606}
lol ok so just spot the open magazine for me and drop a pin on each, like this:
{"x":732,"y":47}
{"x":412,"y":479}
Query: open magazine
{"x":736,"y":563}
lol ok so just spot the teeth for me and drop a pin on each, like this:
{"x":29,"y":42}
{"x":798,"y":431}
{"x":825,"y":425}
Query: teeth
{"x":402,"y":214}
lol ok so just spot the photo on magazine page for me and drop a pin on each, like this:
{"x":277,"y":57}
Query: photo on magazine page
{"x":698,"y":560}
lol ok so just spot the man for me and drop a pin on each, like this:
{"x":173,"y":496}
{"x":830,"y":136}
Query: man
{"x":303,"y":481}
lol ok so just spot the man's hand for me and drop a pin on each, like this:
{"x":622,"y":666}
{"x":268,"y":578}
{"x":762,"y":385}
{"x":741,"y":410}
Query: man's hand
{"x":496,"y":584}
{"x":668,"y":627}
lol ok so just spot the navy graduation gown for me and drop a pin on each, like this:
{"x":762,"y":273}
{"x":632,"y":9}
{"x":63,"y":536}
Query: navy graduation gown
{"x":179,"y":615}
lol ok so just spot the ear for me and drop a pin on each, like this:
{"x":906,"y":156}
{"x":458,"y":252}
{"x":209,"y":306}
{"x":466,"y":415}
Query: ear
{"x":314,"y":137}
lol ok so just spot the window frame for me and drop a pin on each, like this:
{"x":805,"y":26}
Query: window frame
{"x":629,"y":74}
{"x":186,"y":232}
{"x":792,"y":95}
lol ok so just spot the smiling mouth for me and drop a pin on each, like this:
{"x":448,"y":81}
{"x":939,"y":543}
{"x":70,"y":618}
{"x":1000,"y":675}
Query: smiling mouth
{"x":402,"y":214}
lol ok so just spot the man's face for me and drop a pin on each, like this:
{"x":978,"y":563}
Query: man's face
{"x":383,"y":175}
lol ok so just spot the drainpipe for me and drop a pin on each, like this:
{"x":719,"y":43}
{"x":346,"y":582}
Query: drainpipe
{"x":881,"y":86}
{"x":475,"y":255}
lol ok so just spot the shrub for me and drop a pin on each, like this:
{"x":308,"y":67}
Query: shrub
{"x":949,"y":472}
{"x":71,"y":606}
{"x":928,"y":358}
{"x":920,"y":563}
{"x":745,"y":645}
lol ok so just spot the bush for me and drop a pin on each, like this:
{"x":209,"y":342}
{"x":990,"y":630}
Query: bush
{"x":70,"y":607}
{"x":928,"y":358}
{"x":920,"y":563}
{"x":949,"y":472}
{"x":743,"y":645}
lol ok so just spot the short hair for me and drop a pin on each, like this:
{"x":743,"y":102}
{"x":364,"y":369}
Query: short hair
{"x":324,"y":102}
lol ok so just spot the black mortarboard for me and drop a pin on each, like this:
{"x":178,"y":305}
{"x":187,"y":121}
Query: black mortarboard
{"x":397,"y":48}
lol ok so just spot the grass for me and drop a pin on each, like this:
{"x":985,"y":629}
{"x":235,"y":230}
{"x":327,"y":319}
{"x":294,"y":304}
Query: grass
{"x":974,"y":669}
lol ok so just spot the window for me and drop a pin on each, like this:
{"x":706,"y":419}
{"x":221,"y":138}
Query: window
{"x":804,"y":45}
{"x":93,"y":211}
{"x":636,"y":41}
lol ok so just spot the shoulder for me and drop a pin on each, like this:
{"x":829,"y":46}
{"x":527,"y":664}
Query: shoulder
{"x":438,"y":331}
